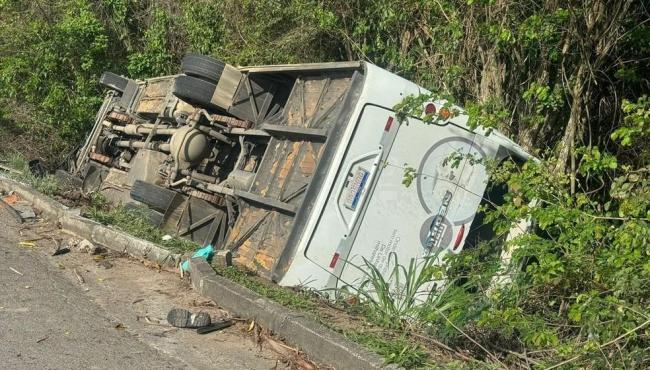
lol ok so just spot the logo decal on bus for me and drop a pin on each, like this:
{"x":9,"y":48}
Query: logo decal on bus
{"x":439,"y":230}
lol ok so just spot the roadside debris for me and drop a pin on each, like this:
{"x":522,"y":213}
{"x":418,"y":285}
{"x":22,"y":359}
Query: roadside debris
{"x":215,"y":326}
{"x":37,"y":168}
{"x":19,"y":206}
{"x":11,"y":199}
{"x":16,"y":271}
{"x":167,"y":238}
{"x":85,"y":246}
{"x":182,"y":318}
{"x":14,"y":214}
{"x":206,"y":253}
{"x":290,"y":356}
{"x":149,"y":321}
{"x":78,"y":276}
{"x":59,"y":251}
{"x":25,"y":211}
{"x":223,"y":258}
{"x":104,"y":264}
{"x":202,"y":303}
{"x":27,"y":244}
{"x":42,"y":339}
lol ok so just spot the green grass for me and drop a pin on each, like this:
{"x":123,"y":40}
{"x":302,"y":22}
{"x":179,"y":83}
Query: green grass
{"x":297,"y":299}
{"x":395,"y":349}
{"x":48,"y":184}
{"x":135,"y":221}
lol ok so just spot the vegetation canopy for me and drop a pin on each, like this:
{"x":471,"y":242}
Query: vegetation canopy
{"x":567,"y":80}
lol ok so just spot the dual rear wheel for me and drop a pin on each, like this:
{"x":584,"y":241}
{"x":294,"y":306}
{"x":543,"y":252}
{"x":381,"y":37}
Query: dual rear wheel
{"x":201,"y":74}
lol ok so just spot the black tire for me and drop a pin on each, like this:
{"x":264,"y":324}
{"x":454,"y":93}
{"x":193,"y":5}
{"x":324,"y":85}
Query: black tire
{"x":195,"y":91}
{"x":113,"y":81}
{"x":203,"y":67}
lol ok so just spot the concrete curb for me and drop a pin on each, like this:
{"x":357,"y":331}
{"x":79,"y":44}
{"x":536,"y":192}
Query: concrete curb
{"x":95,"y":232}
{"x":321,"y":343}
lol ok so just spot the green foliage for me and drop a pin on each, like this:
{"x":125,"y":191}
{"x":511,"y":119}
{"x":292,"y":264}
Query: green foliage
{"x":549,"y":74}
{"x":488,"y":115}
{"x":273,"y":32}
{"x":135,"y":221}
{"x":296,"y":299}
{"x":636,"y":125}
{"x":593,"y":162}
{"x":398,"y":350}
{"x":154,"y":59}
{"x":205,"y":27}
{"x":543,"y":97}
{"x":585,"y":277}
{"x":388,"y":300}
{"x":52,"y":62}
{"x":48,"y":184}
{"x":410,"y":174}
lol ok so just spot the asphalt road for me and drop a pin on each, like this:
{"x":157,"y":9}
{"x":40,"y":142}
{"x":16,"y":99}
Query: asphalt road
{"x":50,"y":320}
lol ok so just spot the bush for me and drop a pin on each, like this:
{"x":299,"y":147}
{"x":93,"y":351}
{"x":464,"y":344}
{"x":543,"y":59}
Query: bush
{"x":567,"y":80}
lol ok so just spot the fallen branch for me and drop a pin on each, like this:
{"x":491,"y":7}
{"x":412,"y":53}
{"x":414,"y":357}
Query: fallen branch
{"x":489,"y":354}
{"x":443,"y":346}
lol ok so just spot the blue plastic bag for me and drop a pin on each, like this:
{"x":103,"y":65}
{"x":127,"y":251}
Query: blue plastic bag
{"x":206,"y":253}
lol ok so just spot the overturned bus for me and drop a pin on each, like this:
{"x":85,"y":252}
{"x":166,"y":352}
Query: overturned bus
{"x":297,"y":169}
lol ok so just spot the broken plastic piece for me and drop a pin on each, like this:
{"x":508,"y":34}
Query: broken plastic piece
{"x":12,"y":199}
{"x":60,"y":251}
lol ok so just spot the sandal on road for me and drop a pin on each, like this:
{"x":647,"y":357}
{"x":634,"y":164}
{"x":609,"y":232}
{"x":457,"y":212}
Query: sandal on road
{"x":182,"y":318}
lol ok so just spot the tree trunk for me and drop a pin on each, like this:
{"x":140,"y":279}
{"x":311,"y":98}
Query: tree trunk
{"x":492,"y":76}
{"x":567,"y":144}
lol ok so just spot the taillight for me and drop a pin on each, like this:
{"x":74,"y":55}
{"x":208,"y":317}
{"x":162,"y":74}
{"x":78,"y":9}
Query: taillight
{"x":444,"y":113}
{"x":459,"y":237}
{"x":335,"y":259}
{"x":389,"y":123}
